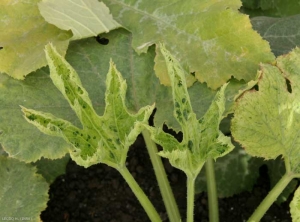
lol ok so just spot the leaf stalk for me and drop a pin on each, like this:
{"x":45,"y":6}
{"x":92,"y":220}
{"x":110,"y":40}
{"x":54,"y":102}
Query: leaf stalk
{"x":161,"y":176}
{"x":271,"y":197}
{"x":141,"y":196}
{"x":212,"y":191}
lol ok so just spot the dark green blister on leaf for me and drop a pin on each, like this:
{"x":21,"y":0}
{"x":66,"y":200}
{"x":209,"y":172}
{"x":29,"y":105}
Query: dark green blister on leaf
{"x":202,"y":138}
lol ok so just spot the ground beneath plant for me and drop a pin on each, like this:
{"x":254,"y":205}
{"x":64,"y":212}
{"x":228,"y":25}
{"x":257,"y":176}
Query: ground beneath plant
{"x":100,"y":194}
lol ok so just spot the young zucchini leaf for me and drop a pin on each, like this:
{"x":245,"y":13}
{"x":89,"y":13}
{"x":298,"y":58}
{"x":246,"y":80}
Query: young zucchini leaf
{"x":266,"y":121}
{"x":202,"y":138}
{"x":104,"y":139}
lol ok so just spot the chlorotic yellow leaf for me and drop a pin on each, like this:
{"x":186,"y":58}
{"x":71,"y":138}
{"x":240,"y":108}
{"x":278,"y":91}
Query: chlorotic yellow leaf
{"x":24,"y":34}
{"x":266,"y":121}
{"x":295,"y":206}
{"x":211,"y":39}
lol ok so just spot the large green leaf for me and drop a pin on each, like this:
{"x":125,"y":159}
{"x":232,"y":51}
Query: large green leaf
{"x":24,"y":34}
{"x":102,"y":139}
{"x":282,"y":33}
{"x":85,"y":18}
{"x":266,"y":121}
{"x":18,"y":138}
{"x":274,"y":8}
{"x":210,"y":38}
{"x":23,"y":193}
{"x":50,"y":169}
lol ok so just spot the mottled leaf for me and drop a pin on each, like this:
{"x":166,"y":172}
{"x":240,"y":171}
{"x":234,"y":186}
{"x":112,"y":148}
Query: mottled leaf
{"x":202,"y":138}
{"x":85,"y":18}
{"x":266,"y":121}
{"x":23,"y":193}
{"x":282,"y":33}
{"x":210,"y":38}
{"x":104,"y":138}
{"x":24,"y":34}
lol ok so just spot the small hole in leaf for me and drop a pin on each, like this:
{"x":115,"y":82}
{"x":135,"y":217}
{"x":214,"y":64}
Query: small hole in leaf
{"x":288,"y":85}
{"x":1,"y":47}
{"x":193,"y":74}
{"x":102,"y":41}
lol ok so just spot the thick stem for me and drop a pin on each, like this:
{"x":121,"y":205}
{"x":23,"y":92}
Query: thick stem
{"x":190,"y":198}
{"x":271,"y":197}
{"x":212,"y":191}
{"x":161,"y":176}
{"x":141,"y":196}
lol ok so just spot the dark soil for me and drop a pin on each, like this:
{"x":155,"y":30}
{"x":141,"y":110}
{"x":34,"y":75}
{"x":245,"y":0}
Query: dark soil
{"x":100,"y":194}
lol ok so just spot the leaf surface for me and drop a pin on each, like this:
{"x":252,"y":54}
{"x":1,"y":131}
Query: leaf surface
{"x":210,"y":38}
{"x":102,"y":139}
{"x":275,"y":8}
{"x":23,"y":192}
{"x":51,"y":169}
{"x":282,"y":33}
{"x":25,"y":36}
{"x":85,"y":18}
{"x":20,"y":139}
{"x":266,"y":121}
{"x":201,"y":138}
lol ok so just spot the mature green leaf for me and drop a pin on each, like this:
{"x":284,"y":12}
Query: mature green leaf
{"x":295,"y":206}
{"x":266,"y":121}
{"x":274,"y":8}
{"x":282,"y":33}
{"x":235,"y":172}
{"x":85,"y":18}
{"x":104,"y":139}
{"x":24,"y":34}
{"x":50,"y":169}
{"x":20,"y":139}
{"x":201,"y":138}
{"x":23,"y":193}
{"x":209,"y":38}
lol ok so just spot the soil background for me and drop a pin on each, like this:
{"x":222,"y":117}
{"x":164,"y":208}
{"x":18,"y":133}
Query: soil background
{"x":100,"y":194}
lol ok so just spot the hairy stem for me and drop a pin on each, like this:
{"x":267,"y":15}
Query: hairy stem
{"x":212,"y":191}
{"x":161,"y":176}
{"x":141,"y":196}
{"x":271,"y":197}
{"x":190,"y":198}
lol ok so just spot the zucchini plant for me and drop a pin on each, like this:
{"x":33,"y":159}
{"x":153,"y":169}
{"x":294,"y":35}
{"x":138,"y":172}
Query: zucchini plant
{"x":195,"y":62}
